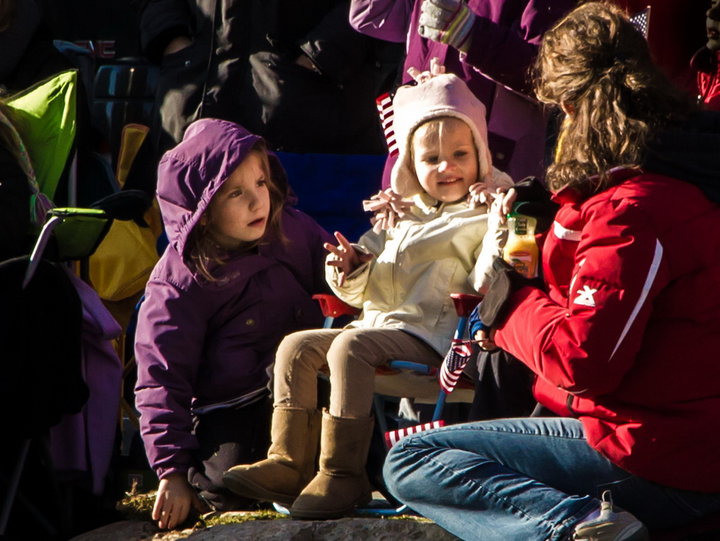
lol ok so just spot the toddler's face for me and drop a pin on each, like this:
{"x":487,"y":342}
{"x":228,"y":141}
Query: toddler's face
{"x":445,"y":158}
{"x":239,"y":211}
{"x":713,"y":25}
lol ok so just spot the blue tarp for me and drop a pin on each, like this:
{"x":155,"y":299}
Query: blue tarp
{"x":331,"y":187}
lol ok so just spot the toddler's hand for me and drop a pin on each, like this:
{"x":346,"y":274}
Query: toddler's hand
{"x":436,"y":68}
{"x":345,"y":257}
{"x":478,"y":195}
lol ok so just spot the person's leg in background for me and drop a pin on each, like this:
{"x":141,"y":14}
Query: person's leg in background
{"x":532,"y":479}
{"x":227,"y":437}
{"x":503,"y":387}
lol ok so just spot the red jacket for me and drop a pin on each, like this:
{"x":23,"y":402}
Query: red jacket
{"x":627,"y":336}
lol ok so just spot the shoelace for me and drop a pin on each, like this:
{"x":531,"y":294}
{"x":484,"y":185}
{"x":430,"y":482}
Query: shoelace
{"x":606,"y":503}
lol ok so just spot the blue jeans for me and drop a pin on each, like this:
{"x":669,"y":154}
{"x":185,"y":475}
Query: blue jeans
{"x":524,"y":479}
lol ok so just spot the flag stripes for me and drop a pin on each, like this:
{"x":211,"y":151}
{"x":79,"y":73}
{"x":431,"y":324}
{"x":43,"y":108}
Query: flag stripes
{"x":454,"y":363}
{"x":385,"y":110}
{"x":394,"y":436}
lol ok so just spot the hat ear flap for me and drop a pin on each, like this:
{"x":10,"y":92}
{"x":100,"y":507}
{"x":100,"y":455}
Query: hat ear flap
{"x":403,"y":179}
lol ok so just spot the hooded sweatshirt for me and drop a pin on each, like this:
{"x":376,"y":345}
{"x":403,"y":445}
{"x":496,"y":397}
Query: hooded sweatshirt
{"x":624,"y":336}
{"x":202,"y":344}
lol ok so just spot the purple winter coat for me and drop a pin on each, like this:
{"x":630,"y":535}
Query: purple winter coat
{"x":200,"y":343}
{"x":505,"y":39}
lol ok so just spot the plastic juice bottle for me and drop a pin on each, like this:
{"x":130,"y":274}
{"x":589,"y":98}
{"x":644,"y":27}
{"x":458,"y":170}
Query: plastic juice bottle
{"x":521,"y":250}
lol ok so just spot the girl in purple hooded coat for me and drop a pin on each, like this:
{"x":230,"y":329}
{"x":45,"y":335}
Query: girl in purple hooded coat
{"x":237,"y":276}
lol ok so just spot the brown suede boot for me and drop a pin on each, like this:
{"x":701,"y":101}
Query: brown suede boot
{"x":290,"y":464}
{"x":341,"y":484}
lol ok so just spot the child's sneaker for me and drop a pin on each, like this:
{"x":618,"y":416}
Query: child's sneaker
{"x":611,"y":526}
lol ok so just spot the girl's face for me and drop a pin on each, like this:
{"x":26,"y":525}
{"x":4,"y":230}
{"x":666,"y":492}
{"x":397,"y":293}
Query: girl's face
{"x":239,"y":211}
{"x":445,"y":158}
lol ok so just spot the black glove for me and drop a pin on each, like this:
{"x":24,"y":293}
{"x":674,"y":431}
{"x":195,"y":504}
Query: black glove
{"x":534,"y":200}
{"x":504,"y":279}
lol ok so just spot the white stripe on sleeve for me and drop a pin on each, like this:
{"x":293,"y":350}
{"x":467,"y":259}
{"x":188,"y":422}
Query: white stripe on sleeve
{"x":649,"y":279}
{"x":564,"y":233}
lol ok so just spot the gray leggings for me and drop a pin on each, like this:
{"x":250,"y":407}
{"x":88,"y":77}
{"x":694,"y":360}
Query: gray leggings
{"x":351,"y":355}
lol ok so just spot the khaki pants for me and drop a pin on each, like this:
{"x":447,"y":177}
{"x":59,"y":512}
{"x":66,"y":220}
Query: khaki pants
{"x":351,"y":356}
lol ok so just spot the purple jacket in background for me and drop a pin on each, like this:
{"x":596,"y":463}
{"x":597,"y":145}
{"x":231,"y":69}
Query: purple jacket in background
{"x":201,"y":343}
{"x":505,"y":39}
{"x":84,"y":442}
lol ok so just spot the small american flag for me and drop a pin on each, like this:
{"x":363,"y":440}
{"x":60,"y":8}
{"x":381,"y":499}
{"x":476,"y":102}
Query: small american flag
{"x":641,"y":20}
{"x":394,"y":436}
{"x":385,"y":110}
{"x":454,"y":363}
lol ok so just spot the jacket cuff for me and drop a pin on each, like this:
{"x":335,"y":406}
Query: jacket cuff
{"x":354,"y":275}
{"x":334,"y":275}
{"x":162,"y":473}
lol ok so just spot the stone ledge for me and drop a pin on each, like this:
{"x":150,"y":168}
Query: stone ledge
{"x":346,"y":529}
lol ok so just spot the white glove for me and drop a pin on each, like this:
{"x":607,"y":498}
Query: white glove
{"x":447,"y":21}
{"x":492,"y":245}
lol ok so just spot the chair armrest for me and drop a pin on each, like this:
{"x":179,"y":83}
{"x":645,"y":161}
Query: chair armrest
{"x":465,"y":303}
{"x":332,"y":306}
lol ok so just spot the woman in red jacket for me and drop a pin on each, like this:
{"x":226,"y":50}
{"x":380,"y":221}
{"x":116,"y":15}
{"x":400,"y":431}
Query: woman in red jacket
{"x":622,"y":335}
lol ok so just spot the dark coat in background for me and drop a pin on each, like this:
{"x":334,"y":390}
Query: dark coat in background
{"x":241,"y":67}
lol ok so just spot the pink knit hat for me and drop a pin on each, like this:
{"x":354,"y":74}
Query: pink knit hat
{"x":441,"y":95}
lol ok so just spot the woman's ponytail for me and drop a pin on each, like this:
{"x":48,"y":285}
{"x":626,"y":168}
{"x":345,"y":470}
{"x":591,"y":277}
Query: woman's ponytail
{"x":597,"y":65}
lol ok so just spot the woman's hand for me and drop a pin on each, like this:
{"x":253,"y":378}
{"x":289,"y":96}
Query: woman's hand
{"x":175,"y":497}
{"x":485,"y":340}
{"x":345,"y":257}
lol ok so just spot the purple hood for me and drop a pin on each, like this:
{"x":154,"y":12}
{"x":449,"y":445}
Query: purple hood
{"x":191,"y":173}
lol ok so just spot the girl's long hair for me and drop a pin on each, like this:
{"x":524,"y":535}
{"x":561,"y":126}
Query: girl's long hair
{"x":598,"y":65}
{"x":205,"y":254}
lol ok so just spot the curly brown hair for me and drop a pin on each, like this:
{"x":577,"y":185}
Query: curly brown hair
{"x":205,"y":253}
{"x":597,"y":65}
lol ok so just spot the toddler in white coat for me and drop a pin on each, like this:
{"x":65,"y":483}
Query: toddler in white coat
{"x":401,"y":277}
